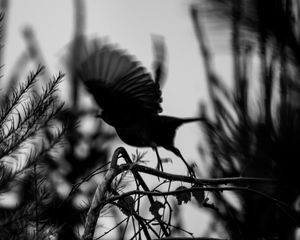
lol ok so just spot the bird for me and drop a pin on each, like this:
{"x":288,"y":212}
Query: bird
{"x":129,"y":98}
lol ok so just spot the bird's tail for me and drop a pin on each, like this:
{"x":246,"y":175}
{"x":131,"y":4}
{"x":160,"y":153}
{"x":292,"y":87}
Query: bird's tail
{"x":187,"y":120}
{"x":167,"y":128}
{"x":174,"y":122}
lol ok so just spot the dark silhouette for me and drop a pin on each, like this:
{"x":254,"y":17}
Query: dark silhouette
{"x":261,"y":143}
{"x":129,"y":98}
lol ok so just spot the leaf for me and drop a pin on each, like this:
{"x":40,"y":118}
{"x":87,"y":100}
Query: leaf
{"x":126,"y":205}
{"x":155,"y":207}
{"x":199,"y":195}
{"x":183,"y":197}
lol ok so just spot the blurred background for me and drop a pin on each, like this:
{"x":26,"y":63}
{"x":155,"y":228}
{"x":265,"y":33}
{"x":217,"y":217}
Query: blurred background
{"x":41,"y":32}
{"x":131,"y":25}
{"x":234,"y":62}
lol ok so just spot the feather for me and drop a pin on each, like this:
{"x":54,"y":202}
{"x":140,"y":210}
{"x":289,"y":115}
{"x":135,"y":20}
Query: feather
{"x":117,"y":81}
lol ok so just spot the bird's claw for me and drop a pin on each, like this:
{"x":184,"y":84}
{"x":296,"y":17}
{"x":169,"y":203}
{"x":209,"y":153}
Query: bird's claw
{"x":159,"y":165}
{"x":191,"y":171}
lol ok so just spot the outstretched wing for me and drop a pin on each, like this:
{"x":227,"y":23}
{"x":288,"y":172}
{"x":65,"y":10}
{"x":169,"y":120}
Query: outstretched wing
{"x":118,"y":82}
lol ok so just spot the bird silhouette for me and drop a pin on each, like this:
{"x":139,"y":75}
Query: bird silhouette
{"x":129,"y":98}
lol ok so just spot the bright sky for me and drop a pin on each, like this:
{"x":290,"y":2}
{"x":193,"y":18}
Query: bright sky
{"x":130,"y":24}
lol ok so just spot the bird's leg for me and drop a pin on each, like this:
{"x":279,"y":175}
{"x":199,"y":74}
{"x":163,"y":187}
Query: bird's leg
{"x":178,"y":153}
{"x":159,"y":162}
{"x":159,"y":165}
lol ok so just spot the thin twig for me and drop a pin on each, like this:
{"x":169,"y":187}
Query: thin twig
{"x":291,"y":212}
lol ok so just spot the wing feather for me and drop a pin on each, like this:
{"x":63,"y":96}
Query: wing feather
{"x":117,"y":81}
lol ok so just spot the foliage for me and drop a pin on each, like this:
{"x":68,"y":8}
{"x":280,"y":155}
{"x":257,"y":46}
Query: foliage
{"x":65,"y":188}
{"x":28,"y":135}
{"x":260,"y":141}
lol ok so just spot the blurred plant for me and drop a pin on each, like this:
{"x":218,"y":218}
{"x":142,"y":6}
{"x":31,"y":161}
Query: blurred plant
{"x":54,"y":186}
{"x":28,"y":133}
{"x":256,"y":137}
{"x":35,"y":169}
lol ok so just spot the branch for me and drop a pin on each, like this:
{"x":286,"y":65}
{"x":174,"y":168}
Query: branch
{"x":141,"y":181}
{"x":286,"y":208}
{"x":187,"y":238}
{"x":99,"y":200}
{"x":199,"y":181}
{"x":100,"y":196}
